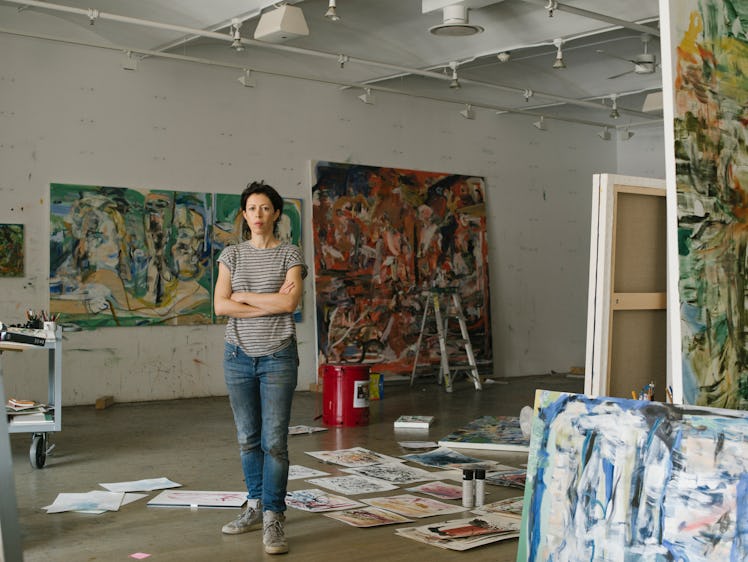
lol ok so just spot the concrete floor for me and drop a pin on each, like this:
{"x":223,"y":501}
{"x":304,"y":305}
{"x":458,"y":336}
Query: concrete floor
{"x":193,"y":442}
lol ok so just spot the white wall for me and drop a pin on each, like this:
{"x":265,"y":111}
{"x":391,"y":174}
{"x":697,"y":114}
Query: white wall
{"x":644,"y":154}
{"x":69,"y":114}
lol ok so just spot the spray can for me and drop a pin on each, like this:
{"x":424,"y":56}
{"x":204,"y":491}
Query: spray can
{"x":468,"y":488}
{"x":480,"y":486}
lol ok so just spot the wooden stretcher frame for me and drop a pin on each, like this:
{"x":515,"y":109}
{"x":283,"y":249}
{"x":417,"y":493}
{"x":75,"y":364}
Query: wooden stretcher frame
{"x":627,"y":325}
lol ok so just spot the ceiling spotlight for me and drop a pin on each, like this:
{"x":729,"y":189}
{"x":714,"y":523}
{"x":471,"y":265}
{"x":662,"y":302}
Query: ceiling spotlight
{"x":604,"y":134}
{"x":551,"y":6}
{"x":527,"y":94}
{"x":614,"y":110}
{"x":625,"y":134}
{"x":331,"y":12}
{"x":236,"y":44}
{"x":540,"y":125}
{"x":367,"y":96}
{"x":246,"y":79}
{"x":129,"y":61}
{"x":342,"y":59}
{"x":559,"y":62}
{"x":504,"y":56}
{"x":468,"y":112}
{"x":455,"y":83}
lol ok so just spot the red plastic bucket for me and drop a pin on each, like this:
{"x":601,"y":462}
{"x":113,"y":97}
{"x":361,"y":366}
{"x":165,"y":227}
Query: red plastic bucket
{"x":345,"y":395}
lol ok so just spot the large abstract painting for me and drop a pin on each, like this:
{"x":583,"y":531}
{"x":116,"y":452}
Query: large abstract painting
{"x":127,"y":257}
{"x":383,"y":236}
{"x":710,"y":51}
{"x":610,"y":479}
{"x":11,"y":255}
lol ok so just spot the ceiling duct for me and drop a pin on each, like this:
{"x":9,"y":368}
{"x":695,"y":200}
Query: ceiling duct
{"x":455,"y":23}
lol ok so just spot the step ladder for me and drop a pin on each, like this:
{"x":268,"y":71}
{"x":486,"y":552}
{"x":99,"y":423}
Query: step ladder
{"x":453,"y":309}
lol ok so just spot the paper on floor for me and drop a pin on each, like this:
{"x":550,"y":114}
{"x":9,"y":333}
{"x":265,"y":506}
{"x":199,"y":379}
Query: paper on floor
{"x":95,"y":501}
{"x":146,"y":485}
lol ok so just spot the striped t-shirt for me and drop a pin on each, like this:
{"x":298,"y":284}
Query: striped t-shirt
{"x":260,"y":270}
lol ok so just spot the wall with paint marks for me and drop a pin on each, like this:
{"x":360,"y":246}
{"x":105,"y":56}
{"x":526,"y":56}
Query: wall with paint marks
{"x":70,"y":114}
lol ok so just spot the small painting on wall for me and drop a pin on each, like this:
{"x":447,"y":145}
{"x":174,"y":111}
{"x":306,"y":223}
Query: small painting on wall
{"x":11,"y":256}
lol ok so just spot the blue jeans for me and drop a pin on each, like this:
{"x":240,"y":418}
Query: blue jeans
{"x":260,"y":391}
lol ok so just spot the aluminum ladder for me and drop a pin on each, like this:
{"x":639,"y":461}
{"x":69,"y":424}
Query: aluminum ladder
{"x":453,"y":309}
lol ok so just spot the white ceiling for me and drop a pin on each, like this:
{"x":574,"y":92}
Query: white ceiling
{"x":387,"y":45}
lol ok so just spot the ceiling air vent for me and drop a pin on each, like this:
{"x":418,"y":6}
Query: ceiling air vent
{"x":455,"y":23}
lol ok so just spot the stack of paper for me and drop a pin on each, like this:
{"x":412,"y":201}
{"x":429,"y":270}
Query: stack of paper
{"x":16,"y":405}
{"x":413,"y":422}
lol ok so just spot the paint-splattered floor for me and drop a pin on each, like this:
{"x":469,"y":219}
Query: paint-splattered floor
{"x":192,"y":442}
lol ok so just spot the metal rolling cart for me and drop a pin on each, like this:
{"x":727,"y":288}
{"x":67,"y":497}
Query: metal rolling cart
{"x":40,"y":429}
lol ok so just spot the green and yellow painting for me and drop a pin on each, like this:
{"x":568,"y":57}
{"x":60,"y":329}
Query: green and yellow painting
{"x":711,"y":112}
{"x":129,"y":257}
{"x":11,"y":255}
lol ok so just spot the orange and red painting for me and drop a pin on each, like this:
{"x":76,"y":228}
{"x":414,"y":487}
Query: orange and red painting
{"x":383,"y":237}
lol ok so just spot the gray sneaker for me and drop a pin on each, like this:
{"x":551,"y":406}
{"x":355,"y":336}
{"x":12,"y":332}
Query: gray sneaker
{"x":249,"y":520}
{"x":273,"y":535}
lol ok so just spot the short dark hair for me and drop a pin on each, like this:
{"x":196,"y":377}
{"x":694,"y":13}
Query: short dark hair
{"x":264,"y":189}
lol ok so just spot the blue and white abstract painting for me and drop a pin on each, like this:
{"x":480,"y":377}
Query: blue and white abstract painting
{"x":610,"y":479}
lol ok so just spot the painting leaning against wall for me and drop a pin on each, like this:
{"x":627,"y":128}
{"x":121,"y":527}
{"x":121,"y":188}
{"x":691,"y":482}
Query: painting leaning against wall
{"x":11,"y":256}
{"x":127,"y":257}
{"x":711,"y":110}
{"x":383,"y":236}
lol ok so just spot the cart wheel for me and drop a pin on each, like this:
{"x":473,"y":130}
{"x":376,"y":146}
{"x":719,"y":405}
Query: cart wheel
{"x":38,"y":450}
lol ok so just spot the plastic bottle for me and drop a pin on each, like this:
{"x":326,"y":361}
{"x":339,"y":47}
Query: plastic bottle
{"x":480,"y":486}
{"x":468,"y":488}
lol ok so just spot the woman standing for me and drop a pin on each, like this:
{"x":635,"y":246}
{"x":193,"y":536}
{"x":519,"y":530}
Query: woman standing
{"x":259,"y":286}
